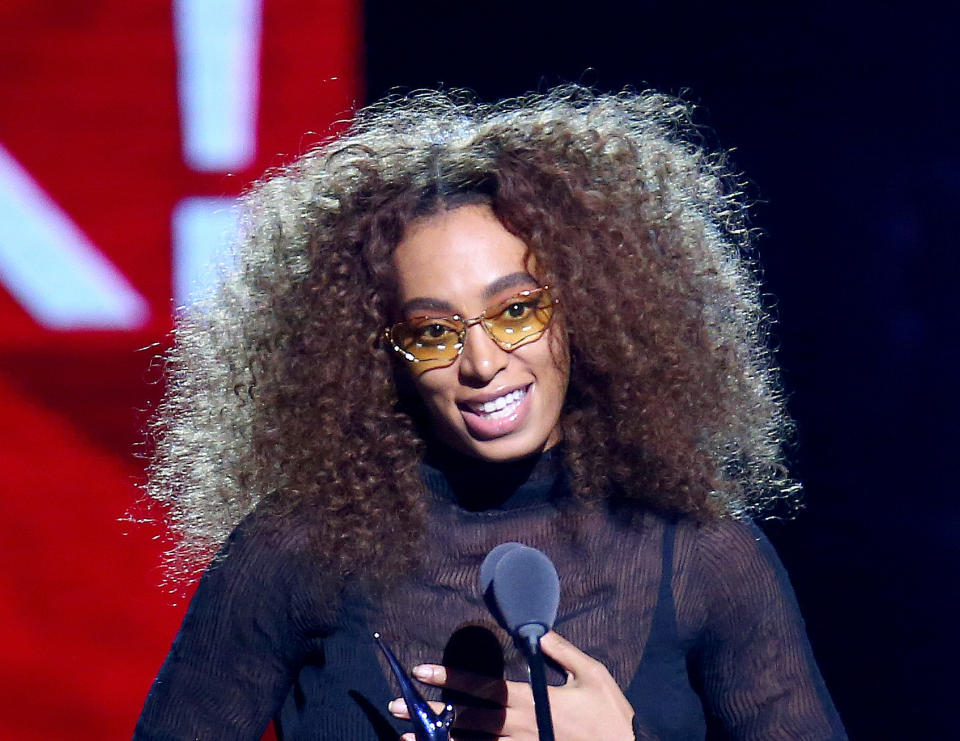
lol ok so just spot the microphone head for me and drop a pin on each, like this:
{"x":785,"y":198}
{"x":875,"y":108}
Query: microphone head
{"x":489,"y":565}
{"x":526,"y":588}
{"x":487,"y":571}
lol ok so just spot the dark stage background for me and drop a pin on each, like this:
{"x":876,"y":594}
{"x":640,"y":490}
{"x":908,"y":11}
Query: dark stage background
{"x":841,"y":115}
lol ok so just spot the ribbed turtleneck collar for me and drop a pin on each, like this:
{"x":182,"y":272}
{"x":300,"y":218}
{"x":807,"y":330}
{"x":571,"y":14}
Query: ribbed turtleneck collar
{"x":482,"y":486}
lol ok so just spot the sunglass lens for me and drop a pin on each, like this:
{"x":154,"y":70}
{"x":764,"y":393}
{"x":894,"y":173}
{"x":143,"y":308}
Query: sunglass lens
{"x":521,"y":319}
{"x":432,"y":341}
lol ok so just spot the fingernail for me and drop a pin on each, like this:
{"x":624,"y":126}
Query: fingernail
{"x":397,"y":706}
{"x":423,"y":671}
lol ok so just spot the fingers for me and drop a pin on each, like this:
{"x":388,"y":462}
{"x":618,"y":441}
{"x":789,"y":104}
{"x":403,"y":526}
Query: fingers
{"x":491,"y":689}
{"x":484,"y":720}
{"x":399,"y":708}
{"x":571,"y":658}
{"x":476,"y":689}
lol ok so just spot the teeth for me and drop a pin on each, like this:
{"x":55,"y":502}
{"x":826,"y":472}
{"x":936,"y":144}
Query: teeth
{"x":502,"y":405}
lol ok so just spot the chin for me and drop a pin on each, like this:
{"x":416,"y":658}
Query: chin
{"x":501,"y":450}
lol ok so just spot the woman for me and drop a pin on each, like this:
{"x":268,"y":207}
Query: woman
{"x":457,"y":326}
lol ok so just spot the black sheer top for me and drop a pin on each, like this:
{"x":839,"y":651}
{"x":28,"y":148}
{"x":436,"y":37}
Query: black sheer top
{"x":696,"y":622}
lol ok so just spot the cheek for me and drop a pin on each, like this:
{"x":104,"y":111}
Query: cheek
{"x":558,"y":350}
{"x":434,"y":386}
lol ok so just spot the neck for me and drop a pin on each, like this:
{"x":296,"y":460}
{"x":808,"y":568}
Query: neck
{"x":479,"y":485}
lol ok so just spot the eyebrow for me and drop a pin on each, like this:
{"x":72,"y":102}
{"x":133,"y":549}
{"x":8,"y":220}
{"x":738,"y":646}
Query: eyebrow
{"x":425,"y":303}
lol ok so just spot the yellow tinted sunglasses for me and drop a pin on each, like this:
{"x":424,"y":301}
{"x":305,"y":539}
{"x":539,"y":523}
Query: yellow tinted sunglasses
{"x":435,"y":342}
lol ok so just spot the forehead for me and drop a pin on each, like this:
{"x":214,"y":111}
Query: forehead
{"x":457,"y":255}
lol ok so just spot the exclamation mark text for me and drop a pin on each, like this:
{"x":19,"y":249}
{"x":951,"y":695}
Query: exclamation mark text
{"x":218,"y":66}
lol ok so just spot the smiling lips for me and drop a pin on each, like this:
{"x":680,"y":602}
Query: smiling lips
{"x":500,"y":416}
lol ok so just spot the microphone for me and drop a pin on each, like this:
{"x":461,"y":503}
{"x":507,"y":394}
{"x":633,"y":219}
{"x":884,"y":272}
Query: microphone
{"x":526,"y":591}
{"x":522,"y":590}
{"x":487,"y":570}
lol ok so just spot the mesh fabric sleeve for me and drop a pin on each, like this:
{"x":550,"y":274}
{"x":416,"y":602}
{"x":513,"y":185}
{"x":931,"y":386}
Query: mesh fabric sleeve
{"x":751,"y":659}
{"x":243,"y":637}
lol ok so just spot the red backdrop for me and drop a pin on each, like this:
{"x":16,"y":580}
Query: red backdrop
{"x":89,"y":109}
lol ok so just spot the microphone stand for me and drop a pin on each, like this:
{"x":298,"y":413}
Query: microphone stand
{"x":529,"y":642}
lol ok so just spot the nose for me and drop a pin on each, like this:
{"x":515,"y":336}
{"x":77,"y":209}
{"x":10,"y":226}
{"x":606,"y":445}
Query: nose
{"x":482,"y":359}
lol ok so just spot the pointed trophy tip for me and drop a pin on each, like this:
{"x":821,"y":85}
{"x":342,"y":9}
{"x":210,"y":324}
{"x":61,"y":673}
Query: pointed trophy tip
{"x":446,"y":717}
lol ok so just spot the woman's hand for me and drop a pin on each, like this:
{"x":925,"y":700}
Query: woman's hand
{"x":589,"y":707}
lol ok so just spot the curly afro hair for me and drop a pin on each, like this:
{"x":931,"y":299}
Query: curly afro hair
{"x":281,"y":397}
